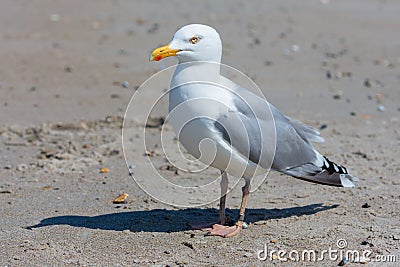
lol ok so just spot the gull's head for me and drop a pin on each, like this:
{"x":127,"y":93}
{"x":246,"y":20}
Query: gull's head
{"x":194,"y":42}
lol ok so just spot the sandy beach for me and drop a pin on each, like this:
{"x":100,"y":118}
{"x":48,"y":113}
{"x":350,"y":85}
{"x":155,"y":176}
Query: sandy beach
{"x":69,"y":69}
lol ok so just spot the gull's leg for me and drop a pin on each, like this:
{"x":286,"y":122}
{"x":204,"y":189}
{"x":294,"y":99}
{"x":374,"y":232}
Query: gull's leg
{"x":224,"y":190}
{"x":245,"y":197}
{"x":229,"y":231}
{"x":221,"y":217}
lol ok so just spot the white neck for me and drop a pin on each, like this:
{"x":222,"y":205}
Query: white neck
{"x":196,"y":71}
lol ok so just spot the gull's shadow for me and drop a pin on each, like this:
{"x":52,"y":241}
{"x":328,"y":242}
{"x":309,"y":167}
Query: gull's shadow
{"x":162,"y":220}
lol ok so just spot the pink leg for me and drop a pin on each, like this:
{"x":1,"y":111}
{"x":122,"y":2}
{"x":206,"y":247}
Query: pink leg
{"x":224,"y":190}
{"x":229,"y":231}
{"x":221,"y":217}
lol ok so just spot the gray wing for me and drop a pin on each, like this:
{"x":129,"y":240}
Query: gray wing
{"x":293,"y":146}
{"x":294,"y":155}
{"x":255,"y":139}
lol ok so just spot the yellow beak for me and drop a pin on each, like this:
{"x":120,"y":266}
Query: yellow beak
{"x":163,"y":52}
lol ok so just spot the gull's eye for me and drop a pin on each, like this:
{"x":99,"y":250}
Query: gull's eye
{"x":194,"y":40}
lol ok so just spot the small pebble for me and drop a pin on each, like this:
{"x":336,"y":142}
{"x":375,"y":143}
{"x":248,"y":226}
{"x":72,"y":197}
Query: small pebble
{"x":366,"y":206}
{"x":328,"y":74}
{"x":187,"y":244}
{"x":248,"y":255}
{"x":323,"y":126}
{"x":154,"y":122}
{"x":22,"y":167}
{"x":353,"y":113}
{"x":132,"y":166}
{"x":365,"y":243}
{"x":343,"y":262}
{"x":244,"y":225}
{"x":381,"y":108}
{"x":125,"y":84}
{"x":68,"y":69}
{"x":337,"y":96}
{"x":367,"y":83}
{"x":149,"y":153}
{"x":8,"y":167}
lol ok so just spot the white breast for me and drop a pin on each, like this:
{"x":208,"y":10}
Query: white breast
{"x":194,"y":107}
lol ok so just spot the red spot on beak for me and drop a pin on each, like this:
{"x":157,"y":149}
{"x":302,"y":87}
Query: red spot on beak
{"x":158,"y":58}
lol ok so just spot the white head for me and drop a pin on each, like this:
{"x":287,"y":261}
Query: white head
{"x":194,"y":42}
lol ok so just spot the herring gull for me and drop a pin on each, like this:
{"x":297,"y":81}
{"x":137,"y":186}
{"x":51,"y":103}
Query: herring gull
{"x":248,"y":135}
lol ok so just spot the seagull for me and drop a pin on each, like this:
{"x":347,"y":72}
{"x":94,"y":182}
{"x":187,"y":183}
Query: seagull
{"x":233,"y":129}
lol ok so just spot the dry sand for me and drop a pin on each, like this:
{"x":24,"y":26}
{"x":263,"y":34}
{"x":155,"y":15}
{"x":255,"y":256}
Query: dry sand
{"x":332,"y":64}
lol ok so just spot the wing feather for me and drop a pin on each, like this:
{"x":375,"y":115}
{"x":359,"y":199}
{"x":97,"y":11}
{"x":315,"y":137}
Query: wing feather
{"x":256,"y":117}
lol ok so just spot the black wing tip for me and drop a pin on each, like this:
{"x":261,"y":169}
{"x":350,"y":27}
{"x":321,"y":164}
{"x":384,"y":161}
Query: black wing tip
{"x":331,"y":167}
